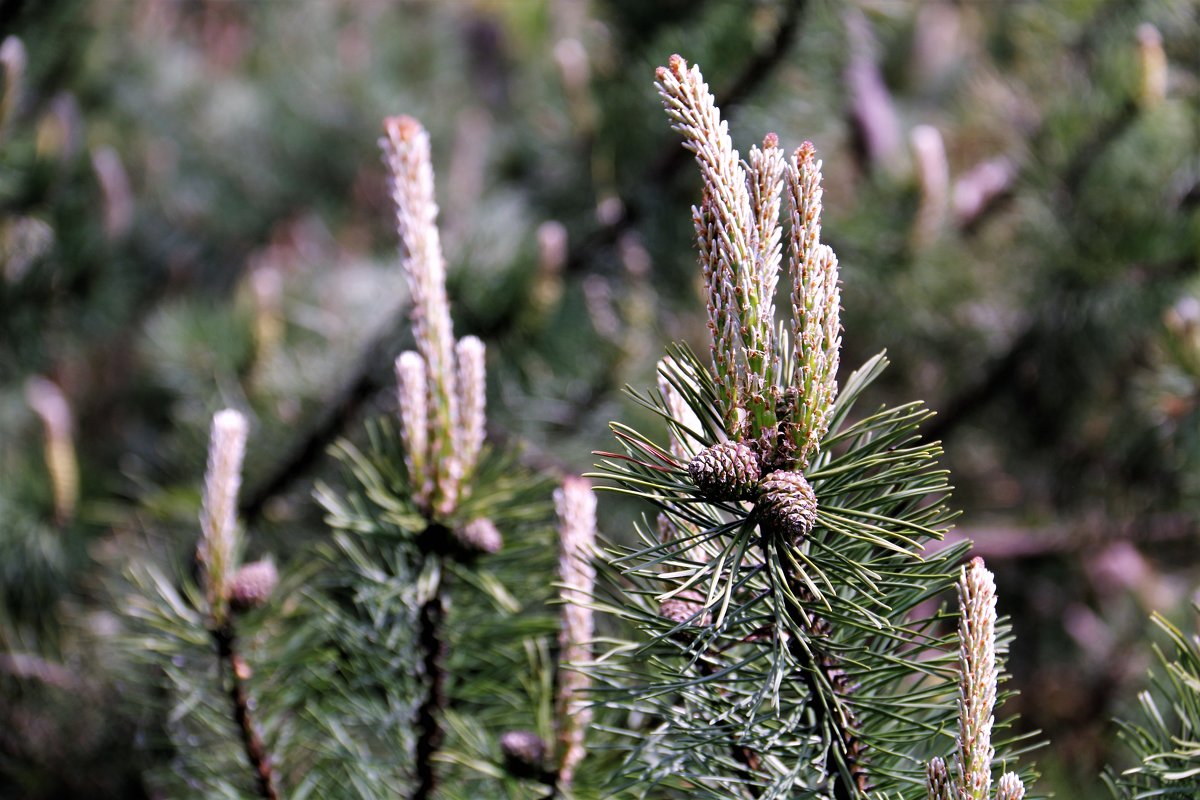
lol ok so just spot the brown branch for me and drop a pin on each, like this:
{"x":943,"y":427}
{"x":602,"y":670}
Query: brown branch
{"x":435,"y":542}
{"x":26,"y":666}
{"x":1010,"y":542}
{"x":429,"y":722}
{"x":977,"y":395}
{"x":256,"y":753}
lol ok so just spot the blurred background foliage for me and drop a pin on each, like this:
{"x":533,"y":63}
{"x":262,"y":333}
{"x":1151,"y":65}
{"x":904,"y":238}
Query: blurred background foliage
{"x":193,"y":215}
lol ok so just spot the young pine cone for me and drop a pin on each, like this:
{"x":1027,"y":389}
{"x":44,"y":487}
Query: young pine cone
{"x":524,"y":752}
{"x":252,"y":585}
{"x":726,"y":471}
{"x":682,"y":607}
{"x":787,"y":504}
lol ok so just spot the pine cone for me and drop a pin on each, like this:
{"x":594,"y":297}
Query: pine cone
{"x":787,"y":504}
{"x":481,"y":536}
{"x":682,"y":607}
{"x":252,"y":585}
{"x":524,"y":752}
{"x":726,"y":471}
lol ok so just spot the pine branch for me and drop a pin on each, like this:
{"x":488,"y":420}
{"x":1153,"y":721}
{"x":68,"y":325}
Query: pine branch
{"x":803,"y":586}
{"x":710,"y":667}
{"x":1009,"y":541}
{"x":833,"y":711}
{"x":846,"y":668}
{"x":28,"y":666}
{"x":372,"y":369}
{"x":256,"y":752}
{"x":227,"y":587}
{"x":428,"y":722}
{"x":1165,"y":739}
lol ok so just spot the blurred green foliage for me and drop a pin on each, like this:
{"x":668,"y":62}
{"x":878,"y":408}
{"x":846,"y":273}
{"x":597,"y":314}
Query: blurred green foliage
{"x":194,"y":216}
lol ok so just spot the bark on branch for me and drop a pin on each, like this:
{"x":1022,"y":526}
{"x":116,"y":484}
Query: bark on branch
{"x":256,"y":752}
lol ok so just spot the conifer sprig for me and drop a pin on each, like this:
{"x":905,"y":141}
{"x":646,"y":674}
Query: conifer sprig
{"x":218,"y":554}
{"x":979,"y":675}
{"x":1165,"y":739}
{"x":420,"y":523}
{"x":220,"y":537}
{"x":443,"y":429}
{"x":785,"y":646}
{"x":790,"y":652}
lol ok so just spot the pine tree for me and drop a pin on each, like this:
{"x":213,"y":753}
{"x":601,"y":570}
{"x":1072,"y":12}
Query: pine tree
{"x":784,"y":597}
{"x":161,"y":258}
{"x":418,"y":655}
{"x":464,"y":539}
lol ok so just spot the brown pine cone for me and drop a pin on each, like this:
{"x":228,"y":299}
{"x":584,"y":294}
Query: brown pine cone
{"x":787,"y":504}
{"x":726,"y":471}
